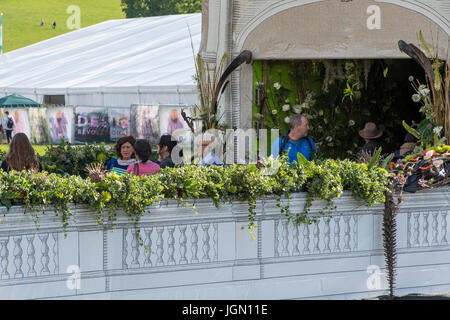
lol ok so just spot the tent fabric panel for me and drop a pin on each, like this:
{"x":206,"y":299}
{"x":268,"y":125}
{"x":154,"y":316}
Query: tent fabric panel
{"x":128,"y":53}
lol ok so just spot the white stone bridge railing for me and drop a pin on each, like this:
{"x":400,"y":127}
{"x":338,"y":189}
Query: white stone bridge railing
{"x":211,"y":255}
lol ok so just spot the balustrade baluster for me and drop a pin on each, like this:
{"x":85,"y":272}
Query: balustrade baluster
{"x":306,"y":239}
{"x":355,"y":232}
{"x":347,"y":234}
{"x":425,"y":230}
{"x":337,"y":235}
{"x":276,"y":244}
{"x":135,"y":250}
{"x":55,"y":252}
{"x":194,"y":243}
{"x":285,"y":242}
{"x":31,"y":258}
{"x":295,"y":241}
{"x":183,"y":241}
{"x":45,"y":259}
{"x":316,"y":234}
{"x":4,"y":255}
{"x":416,"y":229}
{"x":160,"y":246}
{"x":435,"y":229}
{"x":326,"y":235}
{"x":408,"y":230}
{"x":18,"y":256}
{"x":171,"y":244}
{"x":206,"y":245}
{"x":444,"y":228}
{"x":215,"y":242}
{"x":125,"y":249}
{"x":148,"y":247}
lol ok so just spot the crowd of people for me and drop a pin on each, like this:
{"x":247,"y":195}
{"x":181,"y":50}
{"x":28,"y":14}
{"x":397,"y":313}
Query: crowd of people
{"x":133,"y":156}
{"x":296,"y":140}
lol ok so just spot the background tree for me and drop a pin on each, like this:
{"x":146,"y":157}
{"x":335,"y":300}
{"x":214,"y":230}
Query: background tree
{"x":149,"y":8}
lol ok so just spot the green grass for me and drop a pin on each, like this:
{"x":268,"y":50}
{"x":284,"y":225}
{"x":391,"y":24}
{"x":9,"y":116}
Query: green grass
{"x":40,"y":149}
{"x":22,"y":18}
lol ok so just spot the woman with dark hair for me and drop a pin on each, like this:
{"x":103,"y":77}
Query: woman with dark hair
{"x":143,"y":153}
{"x":125,"y":153}
{"x":21,"y":155}
{"x":165,"y":147}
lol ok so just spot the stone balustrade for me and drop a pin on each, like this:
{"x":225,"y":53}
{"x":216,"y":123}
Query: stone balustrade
{"x":181,"y":254}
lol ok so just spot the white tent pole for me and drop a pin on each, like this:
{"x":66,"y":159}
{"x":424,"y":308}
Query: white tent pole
{"x":139,"y":94}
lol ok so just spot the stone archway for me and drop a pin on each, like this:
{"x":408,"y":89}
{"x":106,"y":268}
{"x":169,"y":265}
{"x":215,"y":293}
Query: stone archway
{"x":330,"y":30}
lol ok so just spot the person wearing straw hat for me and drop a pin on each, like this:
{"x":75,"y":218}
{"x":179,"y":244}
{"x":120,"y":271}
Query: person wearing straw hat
{"x":371,"y":134}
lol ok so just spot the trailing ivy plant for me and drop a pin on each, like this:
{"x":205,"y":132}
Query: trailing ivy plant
{"x":325,"y":180}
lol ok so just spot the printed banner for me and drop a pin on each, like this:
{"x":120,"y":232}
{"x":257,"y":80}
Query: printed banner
{"x":60,"y":124}
{"x":21,"y":121}
{"x":98,"y":124}
{"x":40,"y":132}
{"x":120,"y":123}
{"x":92,"y":124}
{"x":145,"y":123}
{"x":172,"y":123}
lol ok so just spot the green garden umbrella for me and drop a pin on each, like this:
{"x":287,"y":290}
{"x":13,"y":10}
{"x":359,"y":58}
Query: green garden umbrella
{"x":17,"y":101}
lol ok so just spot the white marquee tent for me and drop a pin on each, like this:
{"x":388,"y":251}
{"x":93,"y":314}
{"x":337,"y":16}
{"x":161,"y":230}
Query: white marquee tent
{"x":113,"y":63}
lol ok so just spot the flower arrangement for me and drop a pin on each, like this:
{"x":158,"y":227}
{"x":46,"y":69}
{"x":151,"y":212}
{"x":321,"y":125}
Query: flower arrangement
{"x":434,"y":96}
{"x":337,"y":96}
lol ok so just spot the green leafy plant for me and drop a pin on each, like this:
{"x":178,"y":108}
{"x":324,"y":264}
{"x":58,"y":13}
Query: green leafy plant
{"x":68,"y":159}
{"x":349,"y":91}
{"x":134,"y":195}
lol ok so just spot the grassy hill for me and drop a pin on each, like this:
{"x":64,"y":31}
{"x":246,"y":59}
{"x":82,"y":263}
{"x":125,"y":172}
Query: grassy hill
{"x":22,"y":18}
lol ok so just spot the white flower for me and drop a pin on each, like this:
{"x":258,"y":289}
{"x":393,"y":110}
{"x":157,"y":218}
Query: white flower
{"x":304,"y":105}
{"x":277,"y":86}
{"x":421,"y":87}
{"x":258,"y":116}
{"x":437,"y":131}
{"x":424,"y":92}
{"x":351,"y":122}
{"x":287,"y":100}
{"x":411,"y":78}
{"x":297,"y":108}
{"x":428,"y":155}
{"x":329,"y":138}
{"x":287,"y":119}
{"x":321,"y":113}
{"x":274,"y":111}
{"x":285,"y":107}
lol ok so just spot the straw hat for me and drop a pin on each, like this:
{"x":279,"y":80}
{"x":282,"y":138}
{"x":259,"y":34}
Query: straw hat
{"x":370,"y":131}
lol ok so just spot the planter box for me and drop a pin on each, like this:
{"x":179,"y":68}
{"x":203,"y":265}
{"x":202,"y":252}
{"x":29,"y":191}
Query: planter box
{"x":210,"y":254}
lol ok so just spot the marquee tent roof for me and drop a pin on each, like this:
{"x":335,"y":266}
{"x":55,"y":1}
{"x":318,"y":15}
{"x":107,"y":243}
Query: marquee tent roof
{"x":148,"y":59}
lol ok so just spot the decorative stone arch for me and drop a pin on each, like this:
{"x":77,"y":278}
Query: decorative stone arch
{"x":330,"y":29}
{"x":393,"y":12}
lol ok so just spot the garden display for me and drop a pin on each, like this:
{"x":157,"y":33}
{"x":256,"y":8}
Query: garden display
{"x":423,"y":170}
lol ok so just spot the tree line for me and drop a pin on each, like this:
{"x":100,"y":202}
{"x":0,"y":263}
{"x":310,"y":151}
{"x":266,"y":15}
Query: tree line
{"x":150,"y":8}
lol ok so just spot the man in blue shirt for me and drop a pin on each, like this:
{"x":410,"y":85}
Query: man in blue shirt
{"x":296,"y":140}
